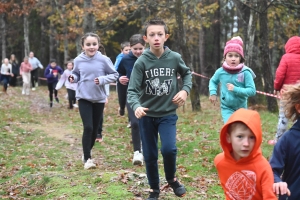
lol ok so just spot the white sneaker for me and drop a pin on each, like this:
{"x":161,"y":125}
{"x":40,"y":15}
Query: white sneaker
{"x":33,"y":89}
{"x":89,"y":164}
{"x":23,"y":92}
{"x":75,"y":105}
{"x":129,"y":125}
{"x":138,"y":158}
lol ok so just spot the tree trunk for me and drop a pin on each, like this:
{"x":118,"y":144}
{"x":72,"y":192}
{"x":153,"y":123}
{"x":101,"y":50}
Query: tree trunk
{"x":194,"y":94}
{"x":265,"y":56}
{"x":203,"y":68}
{"x":65,"y":30}
{"x":26,"y":36}
{"x":52,"y":42}
{"x":89,"y":19}
{"x":3,"y":35}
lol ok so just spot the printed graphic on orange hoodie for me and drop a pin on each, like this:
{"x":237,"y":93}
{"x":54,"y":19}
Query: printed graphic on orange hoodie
{"x":251,"y":177}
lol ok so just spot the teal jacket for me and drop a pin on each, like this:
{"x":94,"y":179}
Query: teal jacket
{"x":244,"y":87}
{"x":153,"y":82}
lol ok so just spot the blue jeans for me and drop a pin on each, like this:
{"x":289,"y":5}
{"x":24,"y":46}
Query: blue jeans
{"x":149,"y":129}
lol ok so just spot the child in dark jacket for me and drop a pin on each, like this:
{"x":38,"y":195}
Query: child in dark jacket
{"x":285,"y":160}
{"x":51,"y":73}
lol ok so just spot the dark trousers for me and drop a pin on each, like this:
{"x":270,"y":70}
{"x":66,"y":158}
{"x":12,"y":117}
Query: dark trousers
{"x":122,"y":95}
{"x":149,"y":129}
{"x":90,"y":114}
{"x":71,"y":97}
{"x":135,"y":131}
{"x":51,"y":88}
{"x":5,"y":79}
{"x":34,"y":77}
{"x":13,"y":80}
{"x":100,"y":129}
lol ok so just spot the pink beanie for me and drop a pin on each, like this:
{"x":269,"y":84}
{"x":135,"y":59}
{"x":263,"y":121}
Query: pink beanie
{"x":235,"y":45}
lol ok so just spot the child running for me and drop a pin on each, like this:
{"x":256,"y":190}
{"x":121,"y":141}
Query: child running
{"x":92,"y":71}
{"x":285,"y":160}
{"x":154,"y":96}
{"x":6,"y":73}
{"x":243,"y":171}
{"x":71,"y":87}
{"x":137,"y":45}
{"x":51,"y":73}
{"x":25,"y":69}
{"x":287,"y":73}
{"x":235,"y":78}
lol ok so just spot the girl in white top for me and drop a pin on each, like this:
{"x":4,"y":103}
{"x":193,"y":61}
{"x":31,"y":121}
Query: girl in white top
{"x":6,"y":73}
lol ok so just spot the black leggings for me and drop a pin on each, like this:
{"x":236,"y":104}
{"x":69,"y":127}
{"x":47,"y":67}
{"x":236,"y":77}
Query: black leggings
{"x":90,"y":114}
{"x":51,"y":88}
{"x":34,"y":77}
{"x":71,"y":96}
{"x":135,"y":131}
{"x":122,"y":95}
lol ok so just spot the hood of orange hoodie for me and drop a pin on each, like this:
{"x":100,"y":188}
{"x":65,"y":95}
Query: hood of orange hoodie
{"x":252,"y":119}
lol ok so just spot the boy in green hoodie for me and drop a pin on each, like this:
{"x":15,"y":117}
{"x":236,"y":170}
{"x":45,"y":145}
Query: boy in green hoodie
{"x":154,"y":95}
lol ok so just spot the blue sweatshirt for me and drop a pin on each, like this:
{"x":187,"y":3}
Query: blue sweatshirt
{"x":285,"y":161}
{"x":86,"y":69}
{"x":126,"y":65}
{"x":49,"y":73}
{"x":244,"y":87}
{"x":118,"y":60}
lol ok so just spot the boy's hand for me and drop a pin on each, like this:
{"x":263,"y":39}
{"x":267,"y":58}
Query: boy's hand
{"x":71,"y":79}
{"x":123,"y":80}
{"x":140,"y":112}
{"x":96,"y":80}
{"x":230,"y":86}
{"x":180,"y":98}
{"x":281,"y":188}
{"x":213,"y":99}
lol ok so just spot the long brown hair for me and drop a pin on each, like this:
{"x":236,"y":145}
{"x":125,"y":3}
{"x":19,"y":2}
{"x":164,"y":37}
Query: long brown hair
{"x":290,"y":98}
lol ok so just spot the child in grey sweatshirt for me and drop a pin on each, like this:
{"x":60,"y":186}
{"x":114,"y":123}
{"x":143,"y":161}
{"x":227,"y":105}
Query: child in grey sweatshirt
{"x":91,"y":72}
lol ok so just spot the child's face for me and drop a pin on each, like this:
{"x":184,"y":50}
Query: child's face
{"x":126,"y":50}
{"x":70,"y":66}
{"x":242,"y":140}
{"x":137,"y":49}
{"x":90,"y":46}
{"x":156,"y":37}
{"x":53,"y":64}
{"x":25,"y":60}
{"x":233,"y":59}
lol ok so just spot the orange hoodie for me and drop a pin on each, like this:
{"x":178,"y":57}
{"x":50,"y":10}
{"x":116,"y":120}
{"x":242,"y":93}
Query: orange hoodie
{"x":251,"y":177}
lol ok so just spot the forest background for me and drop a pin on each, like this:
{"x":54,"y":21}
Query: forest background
{"x":199,"y":30}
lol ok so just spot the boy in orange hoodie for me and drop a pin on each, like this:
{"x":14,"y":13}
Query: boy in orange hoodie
{"x":243,"y":171}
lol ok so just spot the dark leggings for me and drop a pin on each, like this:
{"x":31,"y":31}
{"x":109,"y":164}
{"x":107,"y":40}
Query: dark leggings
{"x":71,"y":96}
{"x":34,"y":77}
{"x":51,"y":88}
{"x":135,"y":131}
{"x":122,"y":95}
{"x":90,"y":114}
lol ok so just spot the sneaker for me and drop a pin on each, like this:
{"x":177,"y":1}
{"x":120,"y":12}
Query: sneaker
{"x":154,"y":194}
{"x":121,"y":112}
{"x":89,"y":164}
{"x":129,"y":125}
{"x":51,"y":104}
{"x":138,"y":158}
{"x":33,"y":89}
{"x":56,"y":99}
{"x":178,"y":189}
{"x":75,"y":105}
{"x":23,"y":92}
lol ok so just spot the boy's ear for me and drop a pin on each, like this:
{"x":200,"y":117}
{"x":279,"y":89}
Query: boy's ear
{"x":167,"y":36}
{"x":228,"y":138}
{"x":145,"y":38}
{"x":297,"y":107}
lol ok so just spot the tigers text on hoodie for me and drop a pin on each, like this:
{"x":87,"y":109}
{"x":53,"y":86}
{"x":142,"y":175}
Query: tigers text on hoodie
{"x":86,"y":69}
{"x":153,"y":82}
{"x":250,"y":177}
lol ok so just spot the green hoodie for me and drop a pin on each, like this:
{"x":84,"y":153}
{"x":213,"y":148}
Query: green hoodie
{"x":153,"y":82}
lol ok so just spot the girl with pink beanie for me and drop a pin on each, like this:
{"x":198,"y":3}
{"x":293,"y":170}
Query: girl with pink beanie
{"x":235,"y":79}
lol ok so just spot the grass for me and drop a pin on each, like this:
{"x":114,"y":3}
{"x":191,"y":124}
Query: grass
{"x":40,"y":151}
